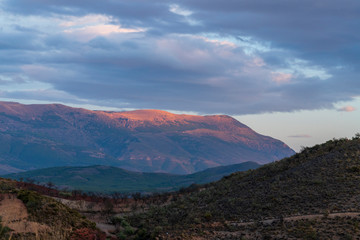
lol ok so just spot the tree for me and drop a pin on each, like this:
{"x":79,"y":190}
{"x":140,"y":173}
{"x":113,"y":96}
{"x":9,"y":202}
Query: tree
{"x":50,"y":184}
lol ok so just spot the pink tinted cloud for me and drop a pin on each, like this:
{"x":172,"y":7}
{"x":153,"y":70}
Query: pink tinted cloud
{"x":280,"y":78}
{"x":347,"y":109}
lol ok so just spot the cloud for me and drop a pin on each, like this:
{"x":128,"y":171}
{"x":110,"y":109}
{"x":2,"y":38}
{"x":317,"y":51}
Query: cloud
{"x":280,"y":78}
{"x":91,"y":26}
{"x":90,"y":19}
{"x":180,"y":11}
{"x":300,"y":136}
{"x":236,"y":57}
{"x":89,"y":32}
{"x":347,"y":109}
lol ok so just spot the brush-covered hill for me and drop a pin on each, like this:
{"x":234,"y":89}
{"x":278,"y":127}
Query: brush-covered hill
{"x":105,"y":179}
{"x":314,"y":194}
{"x":26,"y":214}
{"x":41,"y":136}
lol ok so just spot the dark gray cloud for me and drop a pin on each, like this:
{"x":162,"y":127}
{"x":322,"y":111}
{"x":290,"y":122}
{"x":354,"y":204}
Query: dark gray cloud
{"x":233,"y":57}
{"x":300,"y":136}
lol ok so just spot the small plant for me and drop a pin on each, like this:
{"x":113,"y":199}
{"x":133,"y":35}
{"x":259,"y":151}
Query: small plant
{"x":4,"y":231}
{"x":208,"y":216}
{"x":87,"y":234}
{"x":356,"y":137}
{"x":31,"y":200}
{"x":6,"y":186}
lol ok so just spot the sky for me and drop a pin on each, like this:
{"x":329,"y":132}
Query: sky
{"x":287,"y":69}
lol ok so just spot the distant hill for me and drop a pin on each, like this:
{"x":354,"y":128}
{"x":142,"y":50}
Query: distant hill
{"x":105,"y":179}
{"x":314,"y":194}
{"x":41,"y":136}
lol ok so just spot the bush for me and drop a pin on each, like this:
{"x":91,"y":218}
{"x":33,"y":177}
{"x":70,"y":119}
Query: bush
{"x":87,"y":234}
{"x":4,"y":231}
{"x":31,"y":200}
{"x":129,"y":230}
{"x":121,"y":236}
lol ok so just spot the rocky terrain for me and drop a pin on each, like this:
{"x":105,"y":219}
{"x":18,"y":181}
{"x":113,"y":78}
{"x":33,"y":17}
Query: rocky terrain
{"x":26,"y":214}
{"x":40,"y":136}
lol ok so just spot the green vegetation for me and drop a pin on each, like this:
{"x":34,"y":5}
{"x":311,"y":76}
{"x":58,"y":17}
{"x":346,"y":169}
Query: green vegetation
{"x":46,"y":210}
{"x":7,"y":186}
{"x":4,"y":231}
{"x":314,"y":194}
{"x":60,"y":220}
{"x":105,"y":179}
{"x":316,"y":229}
{"x":321,"y":179}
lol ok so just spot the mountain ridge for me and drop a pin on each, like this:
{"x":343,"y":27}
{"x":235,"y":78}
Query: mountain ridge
{"x":311,"y":195}
{"x":107,"y":179}
{"x":48,"y":135}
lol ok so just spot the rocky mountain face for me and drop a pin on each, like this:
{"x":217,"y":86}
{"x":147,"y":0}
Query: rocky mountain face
{"x":39,"y":136}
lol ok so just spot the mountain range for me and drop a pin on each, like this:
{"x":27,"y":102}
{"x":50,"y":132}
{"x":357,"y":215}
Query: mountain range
{"x":49,"y":135}
{"x":105,"y":179}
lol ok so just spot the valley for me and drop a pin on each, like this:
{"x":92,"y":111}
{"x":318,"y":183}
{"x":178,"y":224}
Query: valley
{"x":311,"y":195}
{"x":107,"y":180}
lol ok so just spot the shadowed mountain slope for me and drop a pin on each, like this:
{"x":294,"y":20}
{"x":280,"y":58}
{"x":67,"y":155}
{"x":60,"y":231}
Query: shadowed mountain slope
{"x":106,"y":179}
{"x":39,"y":136}
{"x":319,"y":181}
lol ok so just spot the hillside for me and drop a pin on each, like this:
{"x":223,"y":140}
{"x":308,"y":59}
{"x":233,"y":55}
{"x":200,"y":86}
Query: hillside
{"x":312,"y":195}
{"x":106,"y":179}
{"x":41,"y":136}
{"x":28,"y":215}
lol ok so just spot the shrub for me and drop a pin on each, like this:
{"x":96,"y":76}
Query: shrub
{"x":4,"y":231}
{"x":31,"y":200}
{"x":87,"y":234}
